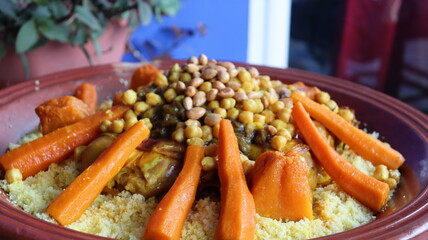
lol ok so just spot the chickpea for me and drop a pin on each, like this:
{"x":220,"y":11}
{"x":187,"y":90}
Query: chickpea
{"x":278,"y":124}
{"x":269,"y":115}
{"x":249,"y":105}
{"x":178,"y":135}
{"x":129,"y":114}
{"x":185,"y":77}
{"x":346,"y":114}
{"x":213,"y":105}
{"x":259,"y":118}
{"x":221,"y":111}
{"x":206,"y":87}
{"x":285,"y":133}
{"x":170,"y":94}
{"x":284,"y":114}
{"x":332,"y":105}
{"x":207,"y":135}
{"x":228,"y":103}
{"x":211,"y":150}
{"x":277,"y":106}
{"x":247,"y":87}
{"x":208,"y":163}
{"x":147,"y":122}
{"x":192,"y":131}
{"x":105,"y":125}
{"x":246,"y":117}
{"x":195,"y":141}
{"x":174,"y":76}
{"x":13,"y":175}
{"x":265,"y":82}
{"x":175,"y":68}
{"x":233,"y":113}
{"x":259,"y":106}
{"x":322,"y":97}
{"x":130,"y":122}
{"x":278,"y":142}
{"x":244,"y":76}
{"x":161,"y":81}
{"x":291,"y":129}
{"x":254,"y":126}
{"x":153,"y":99}
{"x":117,"y":126}
{"x":140,"y":107}
{"x":392,"y":183}
{"x":129,"y":97}
{"x":381,"y":172}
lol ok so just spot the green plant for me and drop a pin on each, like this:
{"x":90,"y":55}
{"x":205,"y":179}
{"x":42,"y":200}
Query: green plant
{"x":28,"y":24}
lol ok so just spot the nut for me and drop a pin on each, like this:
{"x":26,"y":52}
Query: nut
{"x":227,"y":65}
{"x":181,"y":86}
{"x":196,"y":82}
{"x":223,"y":76}
{"x":271,"y":129}
{"x":199,"y":99}
{"x":233,"y":72}
{"x":209,"y":73}
{"x":255,"y":95}
{"x":203,"y":60}
{"x":212,"y":119}
{"x":265,"y":102}
{"x":195,"y":113}
{"x":191,"y":122}
{"x":212,"y":94}
{"x":191,"y":68}
{"x":254,"y":72}
{"x":234,"y":85}
{"x":187,"y":103}
{"x":219,"y":85}
{"x":226,"y":93}
{"x":190,"y":91}
{"x":240,"y":96}
{"x":193,"y":60}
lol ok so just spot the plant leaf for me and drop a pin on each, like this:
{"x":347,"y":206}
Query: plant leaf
{"x":97,"y":46}
{"x":3,"y":50}
{"x":25,"y":63}
{"x":170,"y":7}
{"x":27,"y":37}
{"x":144,"y":12}
{"x":52,"y":31}
{"x":79,"y":38}
{"x":85,"y":16}
{"x":58,"y":9}
{"x":41,"y":12}
{"x":6,"y":7}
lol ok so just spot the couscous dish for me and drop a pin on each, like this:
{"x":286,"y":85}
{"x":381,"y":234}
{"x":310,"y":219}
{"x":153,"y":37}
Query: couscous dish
{"x":203,"y":150}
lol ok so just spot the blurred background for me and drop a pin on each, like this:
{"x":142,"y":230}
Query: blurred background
{"x":382,"y":44}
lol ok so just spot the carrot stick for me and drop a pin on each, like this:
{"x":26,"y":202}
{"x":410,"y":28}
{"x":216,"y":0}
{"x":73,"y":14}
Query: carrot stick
{"x":79,"y":195}
{"x":143,"y":76}
{"x":280,"y":186}
{"x":37,"y":155}
{"x":362,"y":143}
{"x":237,"y":210}
{"x":369,"y":191}
{"x":170,"y":214}
{"x":88,"y":94}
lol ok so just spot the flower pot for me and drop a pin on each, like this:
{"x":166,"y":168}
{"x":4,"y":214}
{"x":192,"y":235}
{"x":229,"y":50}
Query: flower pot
{"x":55,"y":56}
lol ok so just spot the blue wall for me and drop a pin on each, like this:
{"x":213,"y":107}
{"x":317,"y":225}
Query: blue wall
{"x":226,"y":27}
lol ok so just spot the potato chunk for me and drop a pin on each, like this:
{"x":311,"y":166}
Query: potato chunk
{"x":59,"y":112}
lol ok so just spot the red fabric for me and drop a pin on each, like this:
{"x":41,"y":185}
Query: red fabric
{"x":367,"y":41}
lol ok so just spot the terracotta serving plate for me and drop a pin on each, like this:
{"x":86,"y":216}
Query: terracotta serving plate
{"x":404,"y":127}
